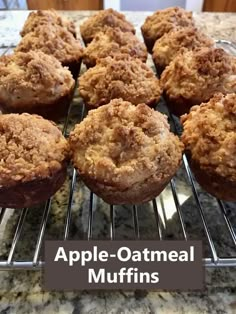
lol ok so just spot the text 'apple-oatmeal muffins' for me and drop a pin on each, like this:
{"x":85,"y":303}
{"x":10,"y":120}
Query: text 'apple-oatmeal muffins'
{"x":119,"y":77}
{"x":112,"y":42}
{"x":98,"y":21}
{"x":33,"y":160}
{"x":163,"y":21}
{"x":170,"y":44}
{"x":34,"y":82}
{"x":46,"y":17}
{"x":125,"y":153}
{"x":56,"y":41}
{"x":210,"y":141}
{"x":195,"y":76}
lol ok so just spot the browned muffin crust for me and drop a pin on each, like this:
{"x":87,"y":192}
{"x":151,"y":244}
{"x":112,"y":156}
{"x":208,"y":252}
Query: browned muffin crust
{"x":120,"y":77}
{"x":34,"y":82}
{"x":46,"y":17}
{"x":113,"y":41}
{"x":195,"y":76}
{"x":125,"y":153}
{"x":210,"y":140}
{"x":163,"y":21}
{"x":170,"y":44}
{"x":54,"y":40}
{"x":98,"y":21}
{"x":32,"y":152}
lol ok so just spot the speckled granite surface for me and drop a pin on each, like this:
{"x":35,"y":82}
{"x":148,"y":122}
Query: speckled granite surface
{"x":21,"y":291}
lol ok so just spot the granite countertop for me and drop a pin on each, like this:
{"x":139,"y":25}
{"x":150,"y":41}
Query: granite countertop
{"x":21,"y":291}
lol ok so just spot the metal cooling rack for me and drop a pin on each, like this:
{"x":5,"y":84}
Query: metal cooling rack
{"x":213,"y":260}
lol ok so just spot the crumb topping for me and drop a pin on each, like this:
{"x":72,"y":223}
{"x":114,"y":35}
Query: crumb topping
{"x":210,"y":135}
{"x":112,"y":42}
{"x":170,"y":44}
{"x":120,"y":144}
{"x":108,"y":17}
{"x":53,"y":40}
{"x":30,"y":147}
{"x":197,"y":75}
{"x":46,"y":17}
{"x":33,"y":76}
{"x":163,"y":21}
{"x":120,"y":77}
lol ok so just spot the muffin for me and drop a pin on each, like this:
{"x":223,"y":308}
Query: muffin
{"x":98,"y":21}
{"x":33,"y":160}
{"x":125,"y":153}
{"x":163,"y":21}
{"x":170,"y":44}
{"x":46,"y":17}
{"x":112,"y":42}
{"x":195,"y":76}
{"x":57,"y":41}
{"x":210,"y":139}
{"x":120,"y":77}
{"x":36,"y":83}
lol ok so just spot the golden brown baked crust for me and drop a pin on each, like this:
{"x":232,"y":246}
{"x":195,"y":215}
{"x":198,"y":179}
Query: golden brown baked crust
{"x":163,"y":21}
{"x":108,"y":17}
{"x":210,"y":141}
{"x":170,"y":44}
{"x":53,"y":40}
{"x":195,"y":76}
{"x":33,"y":79}
{"x":30,"y":148}
{"x":112,"y":42}
{"x":120,"y":77}
{"x":46,"y":17}
{"x":125,"y":153}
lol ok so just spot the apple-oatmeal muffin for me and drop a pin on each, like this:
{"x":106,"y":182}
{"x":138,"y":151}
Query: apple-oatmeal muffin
{"x":98,"y":21}
{"x":119,"y":77}
{"x":170,"y":44}
{"x":36,"y":83}
{"x":33,"y":160}
{"x":112,"y":42}
{"x":163,"y":21}
{"x":46,"y":17}
{"x":210,"y":141}
{"x":57,"y":41}
{"x":195,"y":76}
{"x":125,"y":153}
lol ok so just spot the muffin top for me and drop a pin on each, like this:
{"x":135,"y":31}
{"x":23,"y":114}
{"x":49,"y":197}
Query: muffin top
{"x":108,"y":17}
{"x":210,"y":134}
{"x":120,"y":77}
{"x":112,"y":42}
{"x":32,"y":77}
{"x":163,"y":21}
{"x":46,"y":17}
{"x":120,"y":144}
{"x":198,"y":74}
{"x":30,"y":148}
{"x":170,"y":44}
{"x":53,"y":40}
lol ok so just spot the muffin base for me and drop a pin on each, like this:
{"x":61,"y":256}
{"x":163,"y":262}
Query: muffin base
{"x":180,"y":105}
{"x":74,"y":68}
{"x":149,"y":43}
{"x":159,"y":69}
{"x":138,"y":194}
{"x":52,"y":111}
{"x":213,"y":183}
{"x":28,"y":194}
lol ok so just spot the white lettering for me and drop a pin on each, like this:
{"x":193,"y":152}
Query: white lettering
{"x":103,"y":256}
{"x":61,"y":254}
{"x":99,"y":277}
{"x":74,"y":256}
{"x":86,"y":256}
{"x":173,"y":256}
{"x":126,"y":257}
{"x":154,"y":277}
